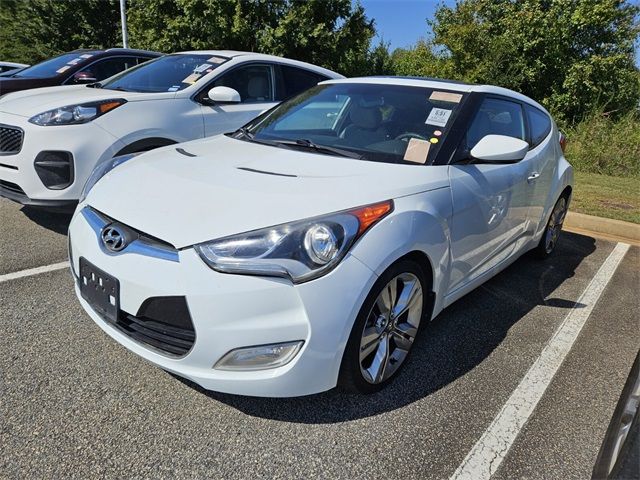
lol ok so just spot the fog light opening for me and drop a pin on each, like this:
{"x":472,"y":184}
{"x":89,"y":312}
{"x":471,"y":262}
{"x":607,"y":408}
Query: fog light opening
{"x":259,"y":357}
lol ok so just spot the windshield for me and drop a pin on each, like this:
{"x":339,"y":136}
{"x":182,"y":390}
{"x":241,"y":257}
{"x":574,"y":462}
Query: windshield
{"x":165,"y":74}
{"x":54,"y":66}
{"x":377,"y":122}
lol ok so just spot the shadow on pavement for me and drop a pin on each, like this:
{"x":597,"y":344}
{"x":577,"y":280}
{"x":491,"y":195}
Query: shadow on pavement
{"x":55,"y":221}
{"x":459,"y":339}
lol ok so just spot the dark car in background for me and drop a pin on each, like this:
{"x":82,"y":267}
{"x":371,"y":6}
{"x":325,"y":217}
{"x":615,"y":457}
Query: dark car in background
{"x":76,"y":67}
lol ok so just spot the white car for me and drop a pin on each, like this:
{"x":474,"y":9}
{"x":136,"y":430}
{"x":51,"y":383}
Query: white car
{"x":306,"y":249}
{"x":52,"y":138}
{"x":11,"y":66}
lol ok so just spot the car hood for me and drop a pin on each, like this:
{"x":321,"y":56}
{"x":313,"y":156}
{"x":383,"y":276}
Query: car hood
{"x":223,"y":186}
{"x":28,"y":103}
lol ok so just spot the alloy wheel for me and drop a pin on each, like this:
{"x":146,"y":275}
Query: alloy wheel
{"x":390,"y":328}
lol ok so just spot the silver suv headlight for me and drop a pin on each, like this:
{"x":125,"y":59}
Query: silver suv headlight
{"x":301,"y":250}
{"x":76,"y":114}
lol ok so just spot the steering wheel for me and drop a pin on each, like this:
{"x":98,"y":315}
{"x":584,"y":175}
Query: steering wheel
{"x":406,"y":136}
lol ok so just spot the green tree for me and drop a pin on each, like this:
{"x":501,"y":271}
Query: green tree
{"x":572,"y":55}
{"x":331,"y":33}
{"x":33,"y":30}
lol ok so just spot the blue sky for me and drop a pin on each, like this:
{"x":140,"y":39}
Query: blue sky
{"x":402,"y":22}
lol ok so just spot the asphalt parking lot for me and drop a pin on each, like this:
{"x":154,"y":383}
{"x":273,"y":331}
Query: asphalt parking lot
{"x":73,"y":403}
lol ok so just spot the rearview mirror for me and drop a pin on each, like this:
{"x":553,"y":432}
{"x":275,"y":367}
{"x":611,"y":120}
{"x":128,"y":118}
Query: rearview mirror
{"x":224,"y":95}
{"x":84,"y":77}
{"x":500,"y":149}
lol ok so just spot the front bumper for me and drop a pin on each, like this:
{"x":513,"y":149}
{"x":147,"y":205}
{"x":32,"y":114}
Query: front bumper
{"x":234,"y":311}
{"x":88,"y":143}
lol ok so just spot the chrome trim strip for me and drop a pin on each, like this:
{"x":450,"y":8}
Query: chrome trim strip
{"x":139,"y":246}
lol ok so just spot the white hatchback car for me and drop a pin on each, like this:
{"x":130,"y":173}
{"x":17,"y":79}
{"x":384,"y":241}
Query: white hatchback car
{"x":52,"y":138}
{"x":307,"y":248}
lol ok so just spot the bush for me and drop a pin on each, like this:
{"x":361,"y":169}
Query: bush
{"x":600,"y":144}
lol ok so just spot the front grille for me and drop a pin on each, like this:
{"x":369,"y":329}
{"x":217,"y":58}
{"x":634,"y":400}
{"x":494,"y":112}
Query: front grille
{"x":11,"y":187}
{"x":163,"y":323}
{"x":10,"y":139}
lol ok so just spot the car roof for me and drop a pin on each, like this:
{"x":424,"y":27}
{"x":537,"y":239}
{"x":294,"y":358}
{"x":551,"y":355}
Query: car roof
{"x":117,"y":50}
{"x":444,"y":84}
{"x":231,"y":54}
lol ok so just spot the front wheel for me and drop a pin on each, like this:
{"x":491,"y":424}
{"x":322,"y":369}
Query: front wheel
{"x":552,"y":231}
{"x":385,"y":329}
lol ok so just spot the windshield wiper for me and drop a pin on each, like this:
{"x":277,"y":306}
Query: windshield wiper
{"x":244,"y":132}
{"x":94,"y":85}
{"x":305,"y":143}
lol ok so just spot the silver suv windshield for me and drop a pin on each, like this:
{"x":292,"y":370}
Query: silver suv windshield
{"x":376,"y":122}
{"x":169,"y":73}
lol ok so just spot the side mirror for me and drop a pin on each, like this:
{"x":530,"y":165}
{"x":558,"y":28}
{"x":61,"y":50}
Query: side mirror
{"x":224,"y":95}
{"x":84,"y":77}
{"x":500,"y":149}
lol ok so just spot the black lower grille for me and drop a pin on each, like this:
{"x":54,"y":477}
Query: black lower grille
{"x":10,"y":139}
{"x":163,"y":323}
{"x":11,"y":187}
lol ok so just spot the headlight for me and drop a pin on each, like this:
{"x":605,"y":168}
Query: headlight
{"x":301,"y":250}
{"x":101,"y":170}
{"x":75,"y":114}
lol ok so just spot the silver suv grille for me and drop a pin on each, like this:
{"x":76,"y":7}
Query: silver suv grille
{"x":10,"y":139}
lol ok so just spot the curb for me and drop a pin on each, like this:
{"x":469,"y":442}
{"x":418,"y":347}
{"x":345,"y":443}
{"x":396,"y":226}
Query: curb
{"x":615,"y":229}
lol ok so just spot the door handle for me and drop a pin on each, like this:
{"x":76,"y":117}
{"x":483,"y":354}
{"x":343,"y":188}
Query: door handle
{"x":533,"y":177}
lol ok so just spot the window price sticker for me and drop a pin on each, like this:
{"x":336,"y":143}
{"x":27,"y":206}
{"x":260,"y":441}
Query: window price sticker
{"x":438,"y":117}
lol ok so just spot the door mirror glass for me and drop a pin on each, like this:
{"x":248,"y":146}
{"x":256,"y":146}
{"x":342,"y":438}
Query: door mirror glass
{"x":500,"y":149}
{"x":224,"y":95}
{"x":84,"y":77}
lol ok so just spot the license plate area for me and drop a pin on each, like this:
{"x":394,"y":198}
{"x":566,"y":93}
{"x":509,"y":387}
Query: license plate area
{"x":100,"y":290}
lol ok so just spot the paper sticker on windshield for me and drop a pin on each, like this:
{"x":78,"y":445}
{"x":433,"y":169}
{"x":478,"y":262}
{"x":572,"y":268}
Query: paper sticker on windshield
{"x":446,"y":97}
{"x":217,"y":60}
{"x":201,"y":68}
{"x":74,"y":61}
{"x":63,"y":69}
{"x":86,"y":55}
{"x":438,"y":117}
{"x":174,"y":88}
{"x":193,"y":78}
{"x":417,"y":151}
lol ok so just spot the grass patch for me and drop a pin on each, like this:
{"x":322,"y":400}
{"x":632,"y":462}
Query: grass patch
{"x":600,"y":144}
{"x":607,"y":196}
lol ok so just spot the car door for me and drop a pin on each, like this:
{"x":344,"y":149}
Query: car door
{"x":541,"y":158}
{"x":256,"y":86}
{"x":490,"y":201}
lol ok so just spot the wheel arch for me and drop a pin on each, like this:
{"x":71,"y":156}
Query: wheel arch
{"x":145,"y":144}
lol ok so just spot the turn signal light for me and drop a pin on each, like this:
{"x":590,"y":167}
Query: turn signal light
{"x":370,"y":214}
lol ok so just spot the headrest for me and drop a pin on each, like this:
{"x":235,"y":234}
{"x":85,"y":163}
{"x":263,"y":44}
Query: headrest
{"x":365,"y":117}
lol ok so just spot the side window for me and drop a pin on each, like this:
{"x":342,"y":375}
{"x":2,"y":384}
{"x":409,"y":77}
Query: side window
{"x":296,"y":80}
{"x":496,"y":117}
{"x":539,"y":124}
{"x":109,"y":67}
{"x":252,"y":82}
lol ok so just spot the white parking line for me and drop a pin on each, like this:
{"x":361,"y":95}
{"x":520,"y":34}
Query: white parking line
{"x":33,"y":271}
{"x":487,"y":454}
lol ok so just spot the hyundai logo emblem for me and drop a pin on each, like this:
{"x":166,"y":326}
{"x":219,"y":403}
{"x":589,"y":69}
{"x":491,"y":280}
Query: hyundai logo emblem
{"x":113,"y":238}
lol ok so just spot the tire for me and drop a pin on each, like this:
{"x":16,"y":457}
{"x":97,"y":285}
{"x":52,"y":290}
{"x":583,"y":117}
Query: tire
{"x":378,"y":331}
{"x":551,"y":234}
